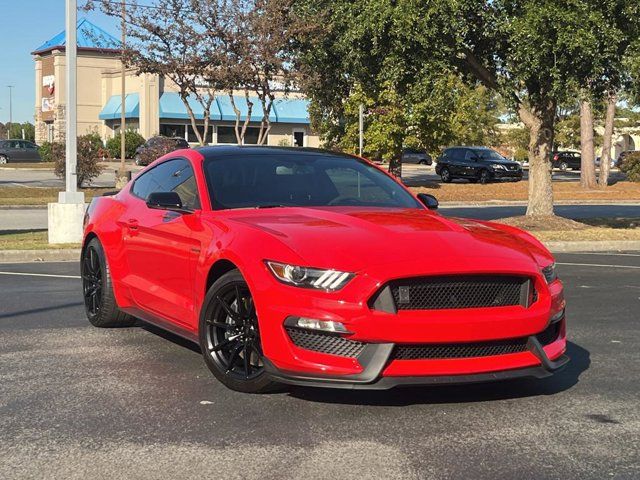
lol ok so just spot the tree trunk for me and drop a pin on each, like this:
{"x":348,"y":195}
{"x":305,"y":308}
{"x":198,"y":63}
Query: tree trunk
{"x":587,"y":151}
{"x":540,"y":121}
{"x":605,"y":158}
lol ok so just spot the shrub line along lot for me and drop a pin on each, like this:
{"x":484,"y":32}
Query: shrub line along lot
{"x":80,"y":402}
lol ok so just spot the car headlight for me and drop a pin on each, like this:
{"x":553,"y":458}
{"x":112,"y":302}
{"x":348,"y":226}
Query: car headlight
{"x":305,"y":277}
{"x":549,"y":273}
{"x":497,"y":166}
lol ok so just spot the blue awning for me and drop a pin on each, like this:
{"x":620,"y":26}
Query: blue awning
{"x":172,"y":106}
{"x":227,"y":113}
{"x":111,"y":111}
{"x":292,"y":110}
{"x":284,"y":110}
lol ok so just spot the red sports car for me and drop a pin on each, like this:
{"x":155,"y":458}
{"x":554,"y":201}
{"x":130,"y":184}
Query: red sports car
{"x":309,"y":267}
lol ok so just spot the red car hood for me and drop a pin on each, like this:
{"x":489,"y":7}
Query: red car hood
{"x":351,"y":238}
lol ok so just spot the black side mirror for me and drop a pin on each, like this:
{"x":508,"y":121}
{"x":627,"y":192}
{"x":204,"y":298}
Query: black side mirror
{"x":429,"y":200}
{"x":166,"y":201}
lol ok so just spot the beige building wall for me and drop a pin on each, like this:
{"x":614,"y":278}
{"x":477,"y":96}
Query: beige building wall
{"x":99,"y":79}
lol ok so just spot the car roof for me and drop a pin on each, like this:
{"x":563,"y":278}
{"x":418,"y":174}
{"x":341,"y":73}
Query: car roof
{"x":224,"y":150}
{"x":473,"y":147}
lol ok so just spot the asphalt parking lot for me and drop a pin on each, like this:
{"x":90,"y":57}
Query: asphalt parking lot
{"x":81,"y":402}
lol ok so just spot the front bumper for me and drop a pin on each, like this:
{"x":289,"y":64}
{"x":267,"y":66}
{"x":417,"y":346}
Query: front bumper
{"x":507,"y":174}
{"x":375,"y":361}
{"x":377,"y":366}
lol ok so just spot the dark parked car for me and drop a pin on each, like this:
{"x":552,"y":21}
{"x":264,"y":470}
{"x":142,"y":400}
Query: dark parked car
{"x":477,"y":164}
{"x":412,"y":155}
{"x":565,"y":160}
{"x":156,"y":147}
{"x":18,"y":151}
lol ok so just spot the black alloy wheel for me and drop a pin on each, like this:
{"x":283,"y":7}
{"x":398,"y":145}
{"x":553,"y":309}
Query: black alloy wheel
{"x":484,"y":177}
{"x":92,"y":282}
{"x":230,"y":336}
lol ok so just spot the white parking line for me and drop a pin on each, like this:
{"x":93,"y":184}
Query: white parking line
{"x":39,"y":275}
{"x":598,"y":265}
{"x":605,"y":254}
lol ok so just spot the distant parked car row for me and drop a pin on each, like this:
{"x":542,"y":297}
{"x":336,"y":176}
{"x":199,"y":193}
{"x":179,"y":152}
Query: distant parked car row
{"x":18,"y":151}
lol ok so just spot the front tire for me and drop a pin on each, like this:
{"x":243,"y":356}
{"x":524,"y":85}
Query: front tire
{"x":97,"y":288}
{"x":484,"y":177}
{"x":230,"y":336}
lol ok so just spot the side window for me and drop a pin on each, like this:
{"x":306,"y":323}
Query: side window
{"x":470,"y":156}
{"x":170,"y":176}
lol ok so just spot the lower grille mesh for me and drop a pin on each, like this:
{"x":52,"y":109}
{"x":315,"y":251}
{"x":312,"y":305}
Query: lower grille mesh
{"x":325,"y":342}
{"x":476,"y":349}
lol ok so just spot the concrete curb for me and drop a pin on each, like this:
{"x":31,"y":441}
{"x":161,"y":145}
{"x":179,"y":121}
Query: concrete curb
{"x":593,"y":246}
{"x":73,"y":254}
{"x":52,"y":255}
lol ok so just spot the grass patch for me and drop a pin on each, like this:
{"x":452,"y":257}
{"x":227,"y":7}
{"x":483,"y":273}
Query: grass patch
{"x":548,"y":229}
{"x":31,"y":165}
{"x":509,"y":191}
{"x":29,"y":240}
{"x":40,"y":196}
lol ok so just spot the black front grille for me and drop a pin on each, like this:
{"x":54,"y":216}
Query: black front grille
{"x":325,"y":342}
{"x":473,"y":291}
{"x":476,"y":349}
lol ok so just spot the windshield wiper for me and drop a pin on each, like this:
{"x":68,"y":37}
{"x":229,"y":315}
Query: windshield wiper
{"x":275,"y":205}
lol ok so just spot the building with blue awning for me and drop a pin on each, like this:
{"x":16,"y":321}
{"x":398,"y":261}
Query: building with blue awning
{"x":152,"y":104}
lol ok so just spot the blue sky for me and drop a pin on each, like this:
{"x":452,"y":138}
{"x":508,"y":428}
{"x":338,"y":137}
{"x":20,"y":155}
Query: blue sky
{"x":26,"y":24}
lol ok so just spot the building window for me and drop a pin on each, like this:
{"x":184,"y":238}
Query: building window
{"x":228,"y":135}
{"x":299,"y":138}
{"x":168,"y":130}
{"x":193,"y":138}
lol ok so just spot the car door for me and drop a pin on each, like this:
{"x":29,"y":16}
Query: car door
{"x":575,"y":161}
{"x":471,"y":166}
{"x":456,"y":161}
{"x":16,"y":151}
{"x":31,"y":153}
{"x":159,"y":247}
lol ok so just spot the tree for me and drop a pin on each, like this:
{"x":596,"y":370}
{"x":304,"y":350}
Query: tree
{"x":16,"y":130}
{"x":165,"y":39}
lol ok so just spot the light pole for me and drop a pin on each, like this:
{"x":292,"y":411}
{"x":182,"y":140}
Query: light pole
{"x":122,"y":179}
{"x":10,"y":87}
{"x":66,"y":216}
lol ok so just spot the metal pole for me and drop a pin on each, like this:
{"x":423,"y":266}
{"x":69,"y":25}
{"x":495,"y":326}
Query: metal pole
{"x":10,"y":87}
{"x":71,"y":94}
{"x":122,"y":97}
{"x":361,"y":127}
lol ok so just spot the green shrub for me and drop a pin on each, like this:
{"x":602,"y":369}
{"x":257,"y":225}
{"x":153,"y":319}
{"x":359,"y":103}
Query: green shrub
{"x":87,"y":168}
{"x":160,"y":146}
{"x":631,"y":166}
{"x":49,"y":151}
{"x":132,"y":140}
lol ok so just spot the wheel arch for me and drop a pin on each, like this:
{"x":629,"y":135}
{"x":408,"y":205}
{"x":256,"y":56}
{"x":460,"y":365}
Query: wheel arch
{"x":216,"y":270}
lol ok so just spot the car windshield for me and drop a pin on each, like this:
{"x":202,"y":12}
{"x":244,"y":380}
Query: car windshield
{"x":290,"y":179}
{"x":489,"y":154}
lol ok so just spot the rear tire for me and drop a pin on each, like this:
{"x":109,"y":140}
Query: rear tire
{"x":3,"y":160}
{"x":99,"y":301}
{"x":230,"y":336}
{"x":564,"y":166}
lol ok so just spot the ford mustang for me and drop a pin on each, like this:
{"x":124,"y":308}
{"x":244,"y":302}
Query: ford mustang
{"x":308,"y":267}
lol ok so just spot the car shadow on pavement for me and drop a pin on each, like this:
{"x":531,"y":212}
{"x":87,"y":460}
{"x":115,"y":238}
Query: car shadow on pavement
{"x":480,"y":392}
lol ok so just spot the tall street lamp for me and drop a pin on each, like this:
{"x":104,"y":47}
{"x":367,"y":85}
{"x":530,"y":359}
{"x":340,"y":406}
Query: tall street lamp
{"x":66,"y":216}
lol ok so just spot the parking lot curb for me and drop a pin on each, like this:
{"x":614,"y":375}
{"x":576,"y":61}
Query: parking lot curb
{"x":593,"y":246}
{"x":52,"y":255}
{"x":73,"y":254}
